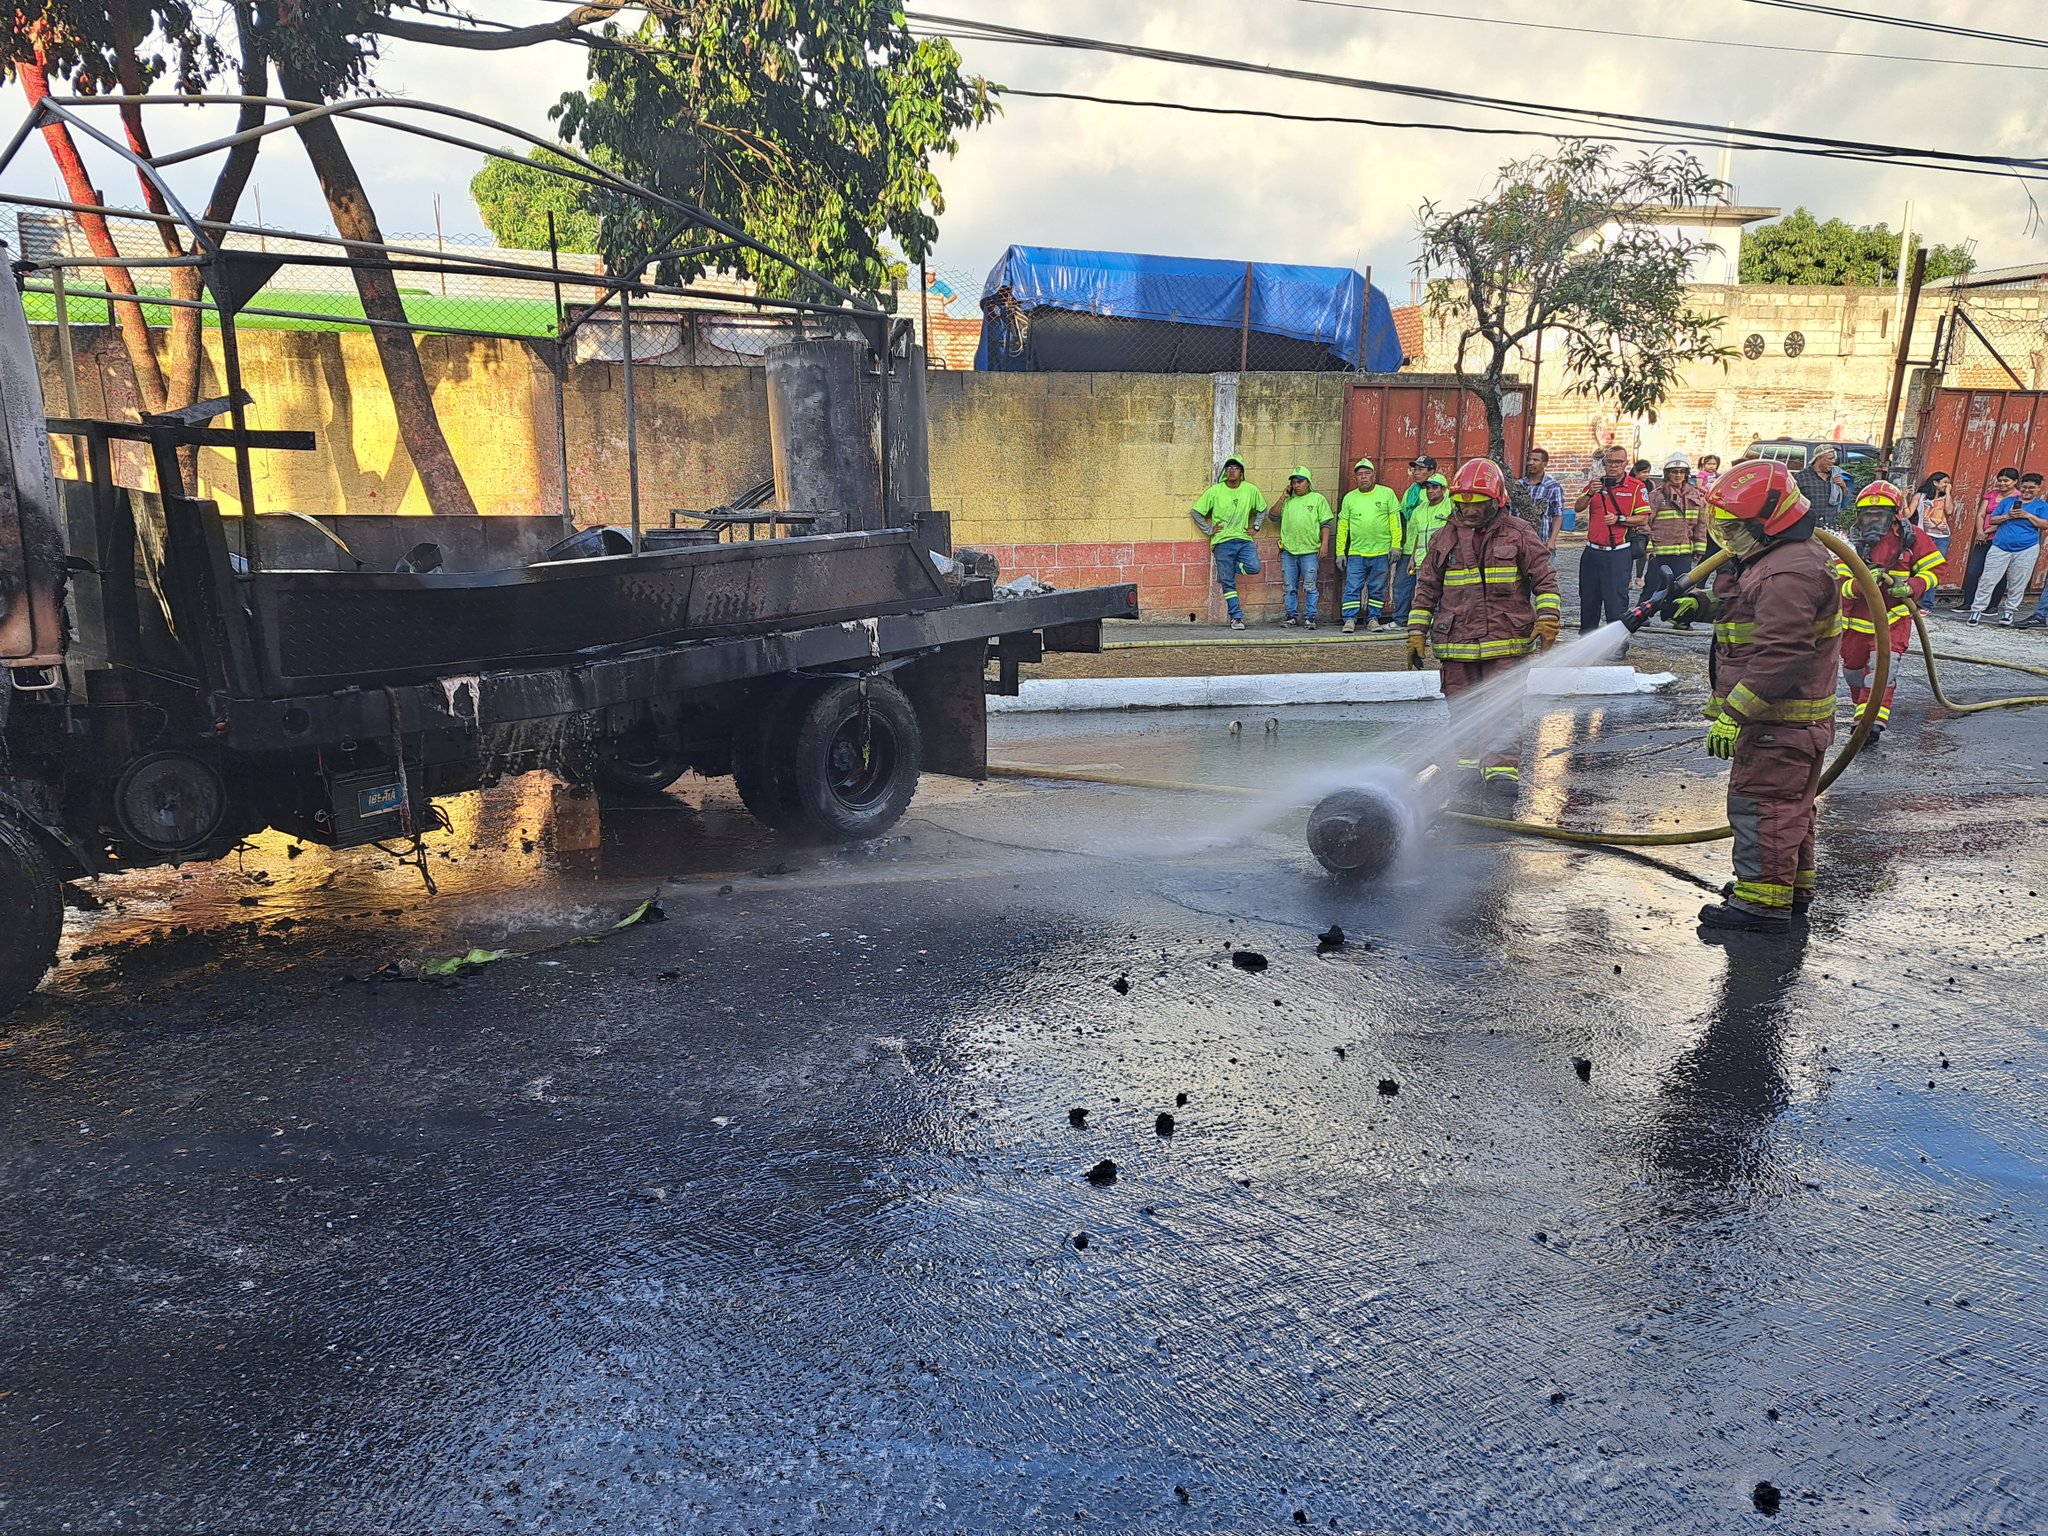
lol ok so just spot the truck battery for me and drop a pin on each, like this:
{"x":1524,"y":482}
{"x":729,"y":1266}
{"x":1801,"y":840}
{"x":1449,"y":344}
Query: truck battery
{"x":369,"y":805}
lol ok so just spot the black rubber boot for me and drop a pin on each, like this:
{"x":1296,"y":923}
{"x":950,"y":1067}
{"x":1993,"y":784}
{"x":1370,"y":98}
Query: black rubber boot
{"x":1726,"y":915}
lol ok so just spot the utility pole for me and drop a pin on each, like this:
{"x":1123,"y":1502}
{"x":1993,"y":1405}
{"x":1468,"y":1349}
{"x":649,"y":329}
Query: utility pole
{"x":1891,"y":412}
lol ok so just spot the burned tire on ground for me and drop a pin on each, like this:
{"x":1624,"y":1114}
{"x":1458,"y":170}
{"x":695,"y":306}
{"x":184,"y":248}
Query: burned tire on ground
{"x":764,"y":750}
{"x":1357,"y":833}
{"x":857,"y":758}
{"x":32,"y":899}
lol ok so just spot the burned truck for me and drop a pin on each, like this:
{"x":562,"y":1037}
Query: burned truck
{"x":176,"y":679}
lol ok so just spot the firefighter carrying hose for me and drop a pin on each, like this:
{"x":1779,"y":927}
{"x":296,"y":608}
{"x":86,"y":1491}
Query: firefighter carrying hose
{"x":1485,"y":597}
{"x":1777,"y":616}
{"x":1907,"y":567}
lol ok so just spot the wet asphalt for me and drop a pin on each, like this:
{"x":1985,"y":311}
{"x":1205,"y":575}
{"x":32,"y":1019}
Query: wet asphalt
{"x":1523,"y":1210}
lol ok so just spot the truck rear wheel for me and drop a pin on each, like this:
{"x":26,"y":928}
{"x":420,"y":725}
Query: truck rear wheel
{"x":763,"y":753}
{"x":33,"y":899}
{"x":638,"y":765}
{"x":857,"y":758}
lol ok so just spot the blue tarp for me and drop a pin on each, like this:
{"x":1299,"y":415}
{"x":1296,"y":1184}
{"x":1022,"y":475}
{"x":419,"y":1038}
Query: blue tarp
{"x":1313,"y":304}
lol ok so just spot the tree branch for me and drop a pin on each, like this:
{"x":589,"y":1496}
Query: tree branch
{"x":496,"y":40}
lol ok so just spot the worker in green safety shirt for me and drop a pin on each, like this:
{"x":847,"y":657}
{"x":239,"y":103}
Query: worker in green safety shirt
{"x":1368,"y":545}
{"x":1230,"y":512}
{"x":1304,"y":515}
{"x":1419,"y":524}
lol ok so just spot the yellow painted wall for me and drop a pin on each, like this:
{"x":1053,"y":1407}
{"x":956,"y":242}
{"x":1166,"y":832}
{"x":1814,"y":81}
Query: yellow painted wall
{"x":1017,"y":458}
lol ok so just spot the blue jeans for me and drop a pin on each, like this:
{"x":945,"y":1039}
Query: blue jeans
{"x":1927,"y":599}
{"x":1233,"y":556}
{"x":1365,"y":574}
{"x":1299,"y":572}
{"x":1404,"y":589}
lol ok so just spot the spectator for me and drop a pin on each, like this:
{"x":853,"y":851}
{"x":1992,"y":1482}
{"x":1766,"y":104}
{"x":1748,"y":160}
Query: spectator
{"x":1304,"y":514}
{"x":1546,"y":497}
{"x":1710,"y":471}
{"x":1230,"y":512}
{"x":1615,"y":504}
{"x":1825,"y":487}
{"x":1678,"y":526}
{"x":1368,"y":536}
{"x":2004,"y":484}
{"x":1639,"y":538}
{"x":1930,"y":511}
{"x":1420,"y":468}
{"x":2016,"y":529}
{"x":1417,"y":529}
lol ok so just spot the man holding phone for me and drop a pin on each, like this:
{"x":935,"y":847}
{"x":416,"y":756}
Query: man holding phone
{"x":1614,"y":504}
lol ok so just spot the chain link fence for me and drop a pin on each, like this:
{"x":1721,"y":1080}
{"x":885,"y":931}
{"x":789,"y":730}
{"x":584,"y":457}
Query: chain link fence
{"x":1997,"y":341}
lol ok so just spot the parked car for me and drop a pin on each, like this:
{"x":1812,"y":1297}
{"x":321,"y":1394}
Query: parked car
{"x":1859,"y":461}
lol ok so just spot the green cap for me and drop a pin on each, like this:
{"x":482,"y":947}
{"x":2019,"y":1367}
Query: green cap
{"x":1300,"y":472}
{"x":1366,"y":464}
{"x":1438,"y":480}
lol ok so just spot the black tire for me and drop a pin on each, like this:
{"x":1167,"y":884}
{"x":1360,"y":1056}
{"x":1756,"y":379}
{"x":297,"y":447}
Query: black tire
{"x":763,"y":751}
{"x":856,"y":763}
{"x":638,"y":765}
{"x":33,"y":898}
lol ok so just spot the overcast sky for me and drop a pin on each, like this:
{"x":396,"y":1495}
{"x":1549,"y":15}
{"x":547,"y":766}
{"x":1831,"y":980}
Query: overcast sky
{"x":1058,"y":173}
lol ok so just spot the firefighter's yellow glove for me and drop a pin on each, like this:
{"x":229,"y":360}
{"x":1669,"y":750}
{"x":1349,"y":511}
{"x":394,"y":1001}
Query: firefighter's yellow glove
{"x":1418,"y":641}
{"x":1721,"y":737}
{"x":1901,"y":589}
{"x":1546,"y":630}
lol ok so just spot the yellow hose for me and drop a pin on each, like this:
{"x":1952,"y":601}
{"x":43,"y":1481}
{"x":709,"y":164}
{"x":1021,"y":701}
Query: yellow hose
{"x":1928,"y":654}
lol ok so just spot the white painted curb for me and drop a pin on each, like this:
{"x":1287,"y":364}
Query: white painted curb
{"x":1041,"y":695}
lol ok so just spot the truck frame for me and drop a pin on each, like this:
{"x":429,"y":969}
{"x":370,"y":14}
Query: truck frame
{"x":176,"y":680}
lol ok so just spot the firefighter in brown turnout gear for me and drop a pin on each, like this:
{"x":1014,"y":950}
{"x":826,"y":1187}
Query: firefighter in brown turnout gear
{"x":1485,"y":598}
{"x":1777,"y":615}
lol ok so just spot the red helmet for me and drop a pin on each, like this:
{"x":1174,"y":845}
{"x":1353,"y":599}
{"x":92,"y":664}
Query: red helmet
{"x":1760,"y":491}
{"x":1881,"y":493}
{"x":1477,"y":479}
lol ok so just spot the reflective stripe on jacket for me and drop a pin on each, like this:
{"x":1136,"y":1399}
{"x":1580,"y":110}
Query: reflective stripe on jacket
{"x":1678,"y":524}
{"x":1777,"y":636}
{"x":1478,"y":590}
{"x":1914,"y":557}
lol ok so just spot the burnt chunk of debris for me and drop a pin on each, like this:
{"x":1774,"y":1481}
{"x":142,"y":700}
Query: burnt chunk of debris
{"x":1102,"y":1173}
{"x":1766,"y":1498}
{"x":1077,"y":1116}
{"x":1081,"y":1241}
{"x":1584,"y":1068}
{"x":1164,"y":1124}
{"x":1180,"y":1492}
{"x":1330,"y":938}
{"x":1388,"y":1087}
{"x":1180,"y":1101}
{"x":1121,"y":985}
{"x":1247,"y":959}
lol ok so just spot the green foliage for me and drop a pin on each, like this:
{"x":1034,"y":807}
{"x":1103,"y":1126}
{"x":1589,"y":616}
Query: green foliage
{"x":515,"y":198}
{"x":812,"y":125}
{"x":78,"y":42}
{"x":1799,"y":249}
{"x":1563,"y":245}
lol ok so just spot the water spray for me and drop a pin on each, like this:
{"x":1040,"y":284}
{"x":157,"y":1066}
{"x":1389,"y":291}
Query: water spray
{"x":1368,"y":842}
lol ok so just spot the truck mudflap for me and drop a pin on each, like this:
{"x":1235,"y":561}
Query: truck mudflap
{"x":476,"y":700}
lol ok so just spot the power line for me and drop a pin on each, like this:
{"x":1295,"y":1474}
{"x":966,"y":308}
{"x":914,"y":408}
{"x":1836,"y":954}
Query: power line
{"x":1715,"y":141}
{"x":1666,"y":37}
{"x":1712,"y":133}
{"x":1908,"y":23}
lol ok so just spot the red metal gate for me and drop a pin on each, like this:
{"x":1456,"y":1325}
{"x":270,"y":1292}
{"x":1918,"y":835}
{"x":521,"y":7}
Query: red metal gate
{"x":1392,"y":422}
{"x":1970,"y":435}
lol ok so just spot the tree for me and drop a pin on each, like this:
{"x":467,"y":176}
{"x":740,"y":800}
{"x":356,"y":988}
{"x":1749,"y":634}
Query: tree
{"x":515,"y":198}
{"x":1799,"y":249}
{"x":1563,"y":246}
{"x":811,"y":124}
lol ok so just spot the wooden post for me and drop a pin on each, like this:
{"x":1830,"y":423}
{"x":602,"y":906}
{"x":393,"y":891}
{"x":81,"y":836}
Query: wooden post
{"x":1244,"y":323}
{"x":1365,"y":324}
{"x":1891,"y":410}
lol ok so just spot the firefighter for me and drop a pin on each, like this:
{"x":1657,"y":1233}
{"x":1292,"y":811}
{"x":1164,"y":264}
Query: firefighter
{"x":1907,"y":566}
{"x":1777,"y":639}
{"x":1485,"y":597}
